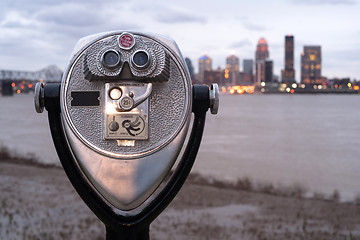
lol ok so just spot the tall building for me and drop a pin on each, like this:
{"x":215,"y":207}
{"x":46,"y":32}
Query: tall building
{"x":261,"y":54}
{"x":288,"y":73}
{"x":205,"y":63}
{"x":262,"y":50}
{"x":232,"y":70}
{"x":248,"y":66}
{"x":259,"y":71}
{"x":311,"y":65}
{"x":248,"y":69}
{"x":232,"y":63}
{"x":268,"y":71}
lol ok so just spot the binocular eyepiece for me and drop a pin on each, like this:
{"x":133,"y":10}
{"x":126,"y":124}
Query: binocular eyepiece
{"x":119,"y":121}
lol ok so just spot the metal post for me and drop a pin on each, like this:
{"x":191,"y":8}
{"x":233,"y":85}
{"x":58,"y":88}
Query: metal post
{"x":138,"y":234}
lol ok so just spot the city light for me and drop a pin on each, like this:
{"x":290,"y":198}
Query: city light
{"x":242,"y":90}
{"x":226,"y":73}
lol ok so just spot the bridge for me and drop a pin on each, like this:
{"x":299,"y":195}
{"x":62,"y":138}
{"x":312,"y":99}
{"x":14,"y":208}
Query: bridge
{"x":14,"y":81}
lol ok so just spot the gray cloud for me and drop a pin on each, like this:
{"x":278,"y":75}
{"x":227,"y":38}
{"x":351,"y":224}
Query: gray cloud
{"x":254,"y":27}
{"x":16,"y":20}
{"x":34,"y":6}
{"x":41,"y":32}
{"x":50,"y":32}
{"x":169,"y":15}
{"x":71,"y":15}
{"x":324,"y":2}
{"x":178,"y":17}
{"x":350,"y":55}
{"x":241,"y":43}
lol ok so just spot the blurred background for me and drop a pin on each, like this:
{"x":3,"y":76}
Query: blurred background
{"x":288,"y":71}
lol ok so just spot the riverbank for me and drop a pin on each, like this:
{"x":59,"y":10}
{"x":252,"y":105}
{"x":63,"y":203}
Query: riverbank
{"x":38,"y":202}
{"x":267,"y":138}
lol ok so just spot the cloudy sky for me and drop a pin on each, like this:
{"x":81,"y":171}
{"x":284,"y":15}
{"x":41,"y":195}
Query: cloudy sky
{"x":37,"y":33}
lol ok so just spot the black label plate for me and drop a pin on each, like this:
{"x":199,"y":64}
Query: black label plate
{"x":85,"y":98}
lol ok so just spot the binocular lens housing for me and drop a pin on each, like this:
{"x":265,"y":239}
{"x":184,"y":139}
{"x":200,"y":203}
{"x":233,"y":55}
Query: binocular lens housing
{"x":110,"y":59}
{"x":140,"y":59}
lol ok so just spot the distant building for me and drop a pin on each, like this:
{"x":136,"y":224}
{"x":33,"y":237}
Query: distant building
{"x":205,"y":63}
{"x":261,"y":54}
{"x":259,"y":71}
{"x":268,"y":77}
{"x":248,"y":69}
{"x":262,"y":50}
{"x":288,"y":73}
{"x":311,"y":65}
{"x":232,"y":63}
{"x":214,"y":76}
{"x":339,"y":83}
{"x":232,"y":69}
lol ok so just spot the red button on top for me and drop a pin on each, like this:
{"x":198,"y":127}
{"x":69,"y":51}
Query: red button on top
{"x":126,"y":41}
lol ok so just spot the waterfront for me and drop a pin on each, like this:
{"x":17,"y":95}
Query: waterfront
{"x":311,"y":140}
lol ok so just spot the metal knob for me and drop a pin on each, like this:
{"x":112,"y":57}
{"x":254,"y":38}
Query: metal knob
{"x":39,"y":97}
{"x":114,"y":126}
{"x":214,"y":98}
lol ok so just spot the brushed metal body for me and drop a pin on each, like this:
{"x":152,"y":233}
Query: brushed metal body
{"x":125,"y":176}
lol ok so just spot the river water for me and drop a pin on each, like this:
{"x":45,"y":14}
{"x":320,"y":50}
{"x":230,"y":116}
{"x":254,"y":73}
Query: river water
{"x":312,"y":140}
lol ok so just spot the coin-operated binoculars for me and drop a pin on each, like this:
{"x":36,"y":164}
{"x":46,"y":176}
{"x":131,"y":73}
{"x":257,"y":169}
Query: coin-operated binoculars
{"x":119,"y":120}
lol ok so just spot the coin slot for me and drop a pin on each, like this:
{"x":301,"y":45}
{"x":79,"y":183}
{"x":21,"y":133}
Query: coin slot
{"x":115,"y":93}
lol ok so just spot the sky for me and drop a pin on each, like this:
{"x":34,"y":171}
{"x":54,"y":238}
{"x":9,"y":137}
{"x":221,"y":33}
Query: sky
{"x":38,"y":33}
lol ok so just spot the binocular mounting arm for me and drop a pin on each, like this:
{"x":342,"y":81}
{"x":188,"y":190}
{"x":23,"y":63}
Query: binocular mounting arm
{"x":120,"y":227}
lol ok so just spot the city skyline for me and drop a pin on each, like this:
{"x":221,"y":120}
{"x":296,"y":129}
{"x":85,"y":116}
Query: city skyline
{"x":310,"y":64}
{"x":40,"y":33}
